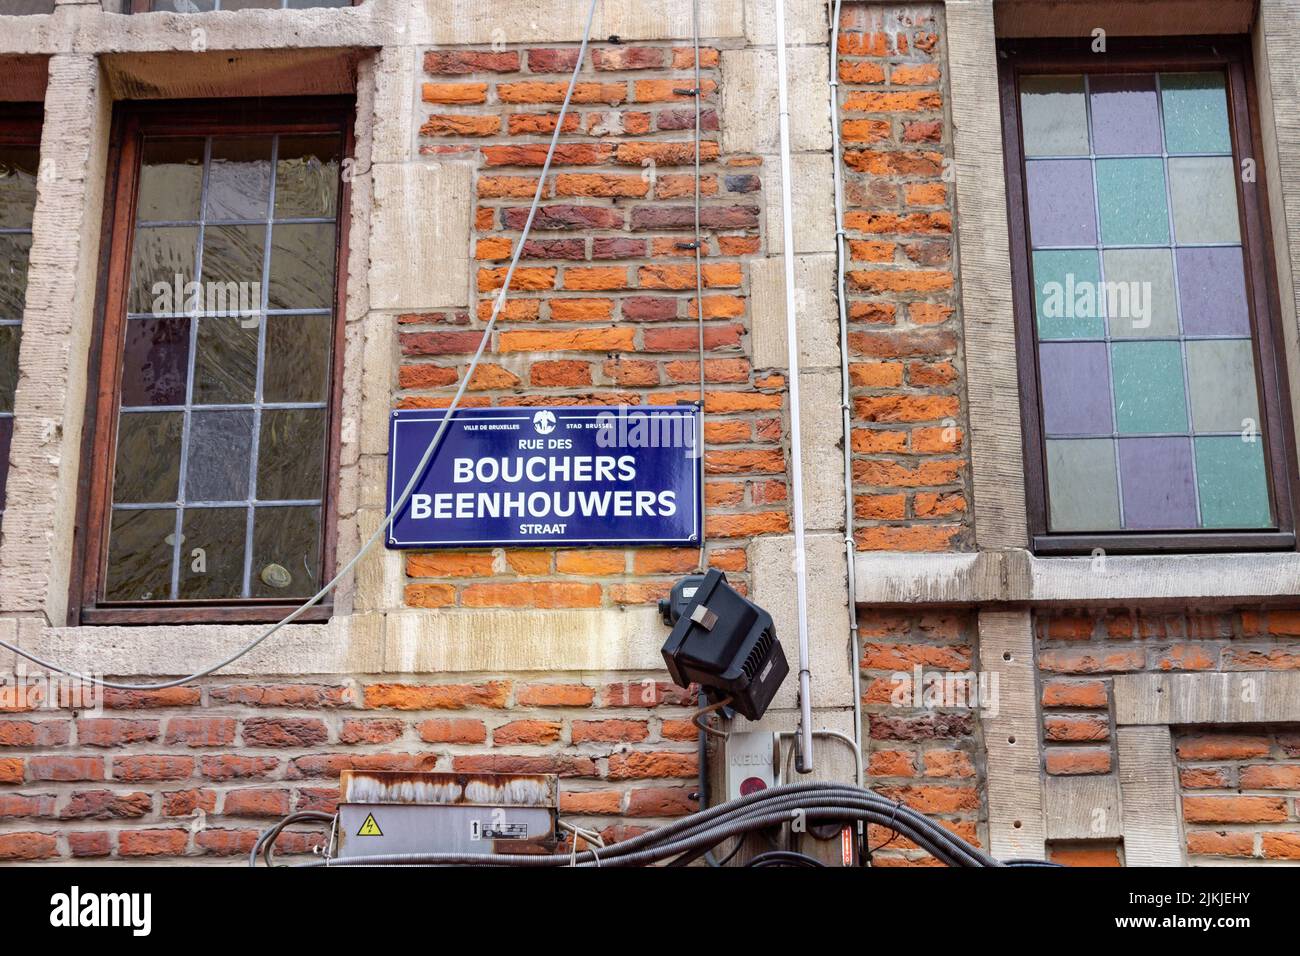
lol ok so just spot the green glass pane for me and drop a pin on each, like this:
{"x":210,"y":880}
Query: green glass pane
{"x":1053,"y":116}
{"x":1131,"y":199}
{"x":239,"y":178}
{"x":212,"y":553}
{"x":140,"y":555}
{"x":297,"y":358}
{"x":14,"y":249}
{"x":162,"y":269}
{"x":291,"y":454}
{"x":286,"y":552}
{"x":19,"y":166}
{"x":1148,"y":387}
{"x":1140,"y":297}
{"x":307,"y":176}
{"x":302,"y":266}
{"x":1082,"y":490}
{"x":148,"y":462}
{"x":171,"y":180}
{"x":251,"y":4}
{"x":1232,"y":483}
{"x":1196,"y":113}
{"x":1204,"y":193}
{"x":1221,"y":379}
{"x":225,"y":361}
{"x":10,"y":335}
{"x":1065,"y":292}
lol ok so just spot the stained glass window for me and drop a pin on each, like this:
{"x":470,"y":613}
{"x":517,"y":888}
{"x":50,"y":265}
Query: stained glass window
{"x":18,"y":176}
{"x":1149,"y":395}
{"x":218,"y":477}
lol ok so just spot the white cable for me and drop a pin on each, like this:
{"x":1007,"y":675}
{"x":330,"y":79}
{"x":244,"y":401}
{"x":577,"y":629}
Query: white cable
{"x":424,"y":459}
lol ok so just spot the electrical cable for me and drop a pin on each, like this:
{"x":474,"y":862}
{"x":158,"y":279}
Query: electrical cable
{"x":698,"y":718}
{"x":425,"y":459}
{"x":266,"y":839}
{"x":786,"y":858}
{"x":688,"y":838}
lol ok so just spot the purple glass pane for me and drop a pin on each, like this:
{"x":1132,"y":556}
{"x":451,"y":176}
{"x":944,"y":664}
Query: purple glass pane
{"x":1158,"y":488}
{"x":6,"y":433}
{"x":1212,"y":291}
{"x":1124,"y":114}
{"x":1061,"y":209}
{"x":154,"y":362}
{"x":1076,"y":388}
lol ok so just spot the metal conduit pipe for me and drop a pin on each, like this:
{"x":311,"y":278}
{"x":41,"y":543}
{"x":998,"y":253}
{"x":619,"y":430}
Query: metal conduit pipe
{"x":804,"y":754}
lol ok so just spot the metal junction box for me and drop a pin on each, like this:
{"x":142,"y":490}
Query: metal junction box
{"x":382,"y":812}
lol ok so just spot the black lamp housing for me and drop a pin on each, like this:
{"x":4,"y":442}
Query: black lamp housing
{"x":725,"y":643}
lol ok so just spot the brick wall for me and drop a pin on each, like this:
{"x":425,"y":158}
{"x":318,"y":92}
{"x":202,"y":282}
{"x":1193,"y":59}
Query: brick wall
{"x":1241,"y":792}
{"x":1079,"y":652}
{"x":927,"y":757}
{"x":198,"y":771}
{"x":911,"y":471}
{"x":602,"y":309}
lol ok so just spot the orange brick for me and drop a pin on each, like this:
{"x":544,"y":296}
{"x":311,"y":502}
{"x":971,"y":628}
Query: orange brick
{"x":1220,"y":843}
{"x":555,"y":695}
{"x":430,"y":595}
{"x":454,"y":92}
{"x":592,"y":184}
{"x":1234,"y":809}
{"x":590,"y":562}
{"x":531,"y":594}
{"x":568,"y":340}
{"x":1069,"y":761}
{"x":460,"y":125}
{"x":594,"y":279}
{"x":524,"y":280}
{"x":859,"y":101}
{"x":449,"y":564}
{"x":537,"y":91}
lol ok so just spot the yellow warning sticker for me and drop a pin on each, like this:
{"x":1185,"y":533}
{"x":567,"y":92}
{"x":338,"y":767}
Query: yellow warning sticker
{"x":370,"y":827}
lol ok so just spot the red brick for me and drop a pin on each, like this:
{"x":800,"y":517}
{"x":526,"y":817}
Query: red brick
{"x":28,"y":846}
{"x":437,"y":696}
{"x":201,"y":731}
{"x":66,"y":768}
{"x":452,"y":731}
{"x":152,"y":842}
{"x":256,"y":803}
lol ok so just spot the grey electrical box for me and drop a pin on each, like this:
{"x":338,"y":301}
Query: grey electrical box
{"x":382,"y":812}
{"x":751,"y":762}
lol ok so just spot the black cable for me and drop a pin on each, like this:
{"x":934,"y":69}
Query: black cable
{"x":785,"y":858}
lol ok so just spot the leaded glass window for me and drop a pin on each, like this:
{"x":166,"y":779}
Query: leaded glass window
{"x":19,"y":148}
{"x":217,"y":490}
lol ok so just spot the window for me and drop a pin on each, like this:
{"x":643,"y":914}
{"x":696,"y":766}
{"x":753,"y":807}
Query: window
{"x":18,"y":8}
{"x":205,"y":6}
{"x":20,"y":135}
{"x":1154,"y":410}
{"x":214,"y":442}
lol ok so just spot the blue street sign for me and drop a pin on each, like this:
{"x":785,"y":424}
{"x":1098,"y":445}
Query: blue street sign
{"x":547,"y":476}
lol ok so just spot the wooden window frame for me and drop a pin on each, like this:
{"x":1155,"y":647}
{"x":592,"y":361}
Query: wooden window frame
{"x":131,"y":120}
{"x":20,"y":125}
{"x":1232,"y":55}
